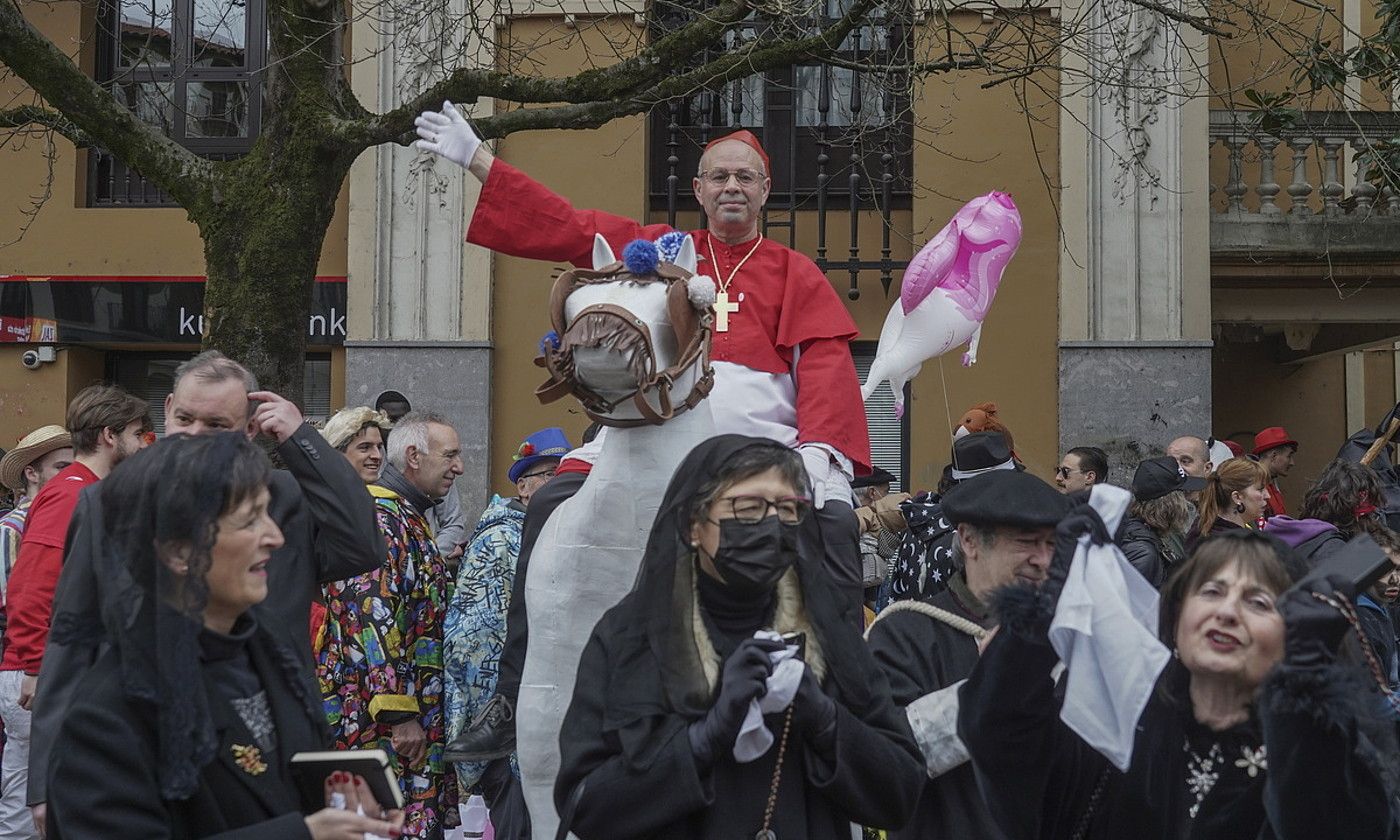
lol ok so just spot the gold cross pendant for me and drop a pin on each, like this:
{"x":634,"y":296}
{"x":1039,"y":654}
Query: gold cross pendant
{"x":723,"y":306}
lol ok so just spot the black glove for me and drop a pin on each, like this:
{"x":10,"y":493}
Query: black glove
{"x":1313,"y":630}
{"x":743,"y":679}
{"x":814,"y":713}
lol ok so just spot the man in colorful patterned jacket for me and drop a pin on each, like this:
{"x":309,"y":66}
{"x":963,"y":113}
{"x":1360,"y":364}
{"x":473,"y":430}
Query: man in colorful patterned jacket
{"x":379,"y":660}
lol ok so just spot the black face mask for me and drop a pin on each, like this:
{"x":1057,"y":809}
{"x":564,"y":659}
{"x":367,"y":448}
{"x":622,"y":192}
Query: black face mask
{"x":751,"y":557}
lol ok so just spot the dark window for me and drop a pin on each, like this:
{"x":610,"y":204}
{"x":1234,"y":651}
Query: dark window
{"x":189,"y":67}
{"x":889,"y":435}
{"x":821,"y":124}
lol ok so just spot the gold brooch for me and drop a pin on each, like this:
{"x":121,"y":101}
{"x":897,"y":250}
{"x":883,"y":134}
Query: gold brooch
{"x":249,"y":759}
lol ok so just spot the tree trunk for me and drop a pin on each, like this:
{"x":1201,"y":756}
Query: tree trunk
{"x":263,"y":230}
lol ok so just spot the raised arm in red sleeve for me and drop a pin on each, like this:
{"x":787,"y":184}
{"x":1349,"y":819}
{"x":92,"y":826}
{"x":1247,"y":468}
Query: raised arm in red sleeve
{"x":519,"y":216}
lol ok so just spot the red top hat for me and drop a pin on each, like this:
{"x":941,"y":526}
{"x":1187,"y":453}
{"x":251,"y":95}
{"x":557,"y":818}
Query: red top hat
{"x":1272,"y":438}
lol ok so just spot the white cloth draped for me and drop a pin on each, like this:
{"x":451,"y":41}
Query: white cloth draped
{"x":1105,"y":632}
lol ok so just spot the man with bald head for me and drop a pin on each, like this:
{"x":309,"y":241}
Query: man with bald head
{"x":1194,"y":457}
{"x":781,"y":354}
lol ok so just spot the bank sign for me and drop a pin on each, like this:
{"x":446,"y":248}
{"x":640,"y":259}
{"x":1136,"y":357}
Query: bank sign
{"x":75,"y":309}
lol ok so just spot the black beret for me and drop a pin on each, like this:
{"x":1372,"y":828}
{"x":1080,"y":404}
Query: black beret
{"x":877,"y":476}
{"x":1005,"y":497}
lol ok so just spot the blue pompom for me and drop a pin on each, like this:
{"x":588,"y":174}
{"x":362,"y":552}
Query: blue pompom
{"x":641,"y":257}
{"x":550,"y":341}
{"x":670,"y":245}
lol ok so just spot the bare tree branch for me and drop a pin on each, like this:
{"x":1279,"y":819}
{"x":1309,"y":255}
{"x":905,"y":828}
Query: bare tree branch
{"x":27,"y":115}
{"x":622,"y":79}
{"x":1200,"y":24}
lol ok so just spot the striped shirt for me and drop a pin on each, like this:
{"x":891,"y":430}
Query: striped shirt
{"x":11,"y":529}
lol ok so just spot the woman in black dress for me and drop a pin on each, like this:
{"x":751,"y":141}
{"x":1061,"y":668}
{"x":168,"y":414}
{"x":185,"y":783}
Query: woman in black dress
{"x":649,"y":742}
{"x":184,"y":727}
{"x":1256,"y":730}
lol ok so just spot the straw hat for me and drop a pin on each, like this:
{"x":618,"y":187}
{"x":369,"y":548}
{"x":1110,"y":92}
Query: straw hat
{"x":31,"y":447}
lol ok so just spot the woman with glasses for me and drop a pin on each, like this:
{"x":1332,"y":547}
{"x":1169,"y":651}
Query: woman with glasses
{"x":1258,"y":727}
{"x":729,"y":694}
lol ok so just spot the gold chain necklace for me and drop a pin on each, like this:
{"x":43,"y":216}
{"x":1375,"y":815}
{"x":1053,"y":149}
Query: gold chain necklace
{"x":723,"y":306}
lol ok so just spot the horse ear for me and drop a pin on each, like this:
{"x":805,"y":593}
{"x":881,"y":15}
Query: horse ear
{"x":602,"y":253}
{"x":685,"y":257}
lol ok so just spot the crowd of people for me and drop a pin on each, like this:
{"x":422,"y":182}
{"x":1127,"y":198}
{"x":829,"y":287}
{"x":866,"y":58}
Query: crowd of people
{"x":161,"y":675}
{"x":801,"y":653}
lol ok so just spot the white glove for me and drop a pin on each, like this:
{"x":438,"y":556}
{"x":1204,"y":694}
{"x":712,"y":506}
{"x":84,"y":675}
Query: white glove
{"x":819,"y":467}
{"x":447,"y":134}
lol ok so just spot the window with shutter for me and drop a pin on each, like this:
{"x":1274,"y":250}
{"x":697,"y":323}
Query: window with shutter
{"x":889,"y":437}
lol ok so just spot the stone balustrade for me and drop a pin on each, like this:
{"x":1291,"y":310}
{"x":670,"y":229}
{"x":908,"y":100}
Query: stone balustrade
{"x":1302,"y":191}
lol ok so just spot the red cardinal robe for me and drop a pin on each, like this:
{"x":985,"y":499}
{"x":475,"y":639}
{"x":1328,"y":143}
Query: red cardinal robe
{"x":783,"y":370}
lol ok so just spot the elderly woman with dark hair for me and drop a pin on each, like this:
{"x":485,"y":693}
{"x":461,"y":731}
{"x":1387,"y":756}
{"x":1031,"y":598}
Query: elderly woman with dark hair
{"x":1256,"y":730}
{"x":1344,"y":501}
{"x":185,"y":726}
{"x":664,"y":737}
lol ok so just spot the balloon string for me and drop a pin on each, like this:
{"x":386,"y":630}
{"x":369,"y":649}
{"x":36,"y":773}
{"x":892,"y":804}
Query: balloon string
{"x":947,"y":408}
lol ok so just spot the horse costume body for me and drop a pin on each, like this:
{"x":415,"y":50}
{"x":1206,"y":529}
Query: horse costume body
{"x":590,"y":549}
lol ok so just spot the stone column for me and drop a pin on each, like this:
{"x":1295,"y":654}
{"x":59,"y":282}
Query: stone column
{"x":419,"y":297}
{"x":1135,"y":275}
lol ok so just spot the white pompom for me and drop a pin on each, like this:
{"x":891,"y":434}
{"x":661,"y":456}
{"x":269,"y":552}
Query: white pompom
{"x":701,"y":291}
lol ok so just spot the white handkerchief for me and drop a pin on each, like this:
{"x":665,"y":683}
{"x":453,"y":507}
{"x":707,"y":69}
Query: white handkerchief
{"x":754,"y":738}
{"x":1105,"y":631}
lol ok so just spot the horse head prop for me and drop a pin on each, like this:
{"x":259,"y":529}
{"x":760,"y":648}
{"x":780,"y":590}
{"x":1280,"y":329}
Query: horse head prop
{"x":946,"y":292}
{"x":631,"y":338}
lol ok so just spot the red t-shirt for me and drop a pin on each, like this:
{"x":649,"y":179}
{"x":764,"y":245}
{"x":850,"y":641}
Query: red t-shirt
{"x":29,"y":602}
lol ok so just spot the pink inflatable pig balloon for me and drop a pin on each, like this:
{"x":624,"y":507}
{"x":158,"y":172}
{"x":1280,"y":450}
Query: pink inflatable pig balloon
{"x":946,"y":292}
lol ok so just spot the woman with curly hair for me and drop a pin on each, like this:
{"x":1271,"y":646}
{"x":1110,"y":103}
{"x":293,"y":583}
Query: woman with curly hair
{"x":1344,"y":501}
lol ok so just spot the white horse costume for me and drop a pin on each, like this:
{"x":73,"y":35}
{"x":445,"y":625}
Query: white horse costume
{"x":588,"y":552}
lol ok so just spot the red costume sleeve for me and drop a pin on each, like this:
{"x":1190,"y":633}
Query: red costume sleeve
{"x":519,"y":216}
{"x":829,"y":407}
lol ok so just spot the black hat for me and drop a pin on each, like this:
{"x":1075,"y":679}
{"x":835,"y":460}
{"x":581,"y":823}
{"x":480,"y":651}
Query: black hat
{"x":389,"y":397}
{"x":980,"y":452}
{"x":1156,"y":477}
{"x":877,"y":476}
{"x":1005,"y":497}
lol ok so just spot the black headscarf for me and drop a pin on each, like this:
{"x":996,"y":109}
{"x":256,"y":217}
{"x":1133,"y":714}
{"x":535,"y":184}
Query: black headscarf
{"x":663,"y":599}
{"x":168,"y":498}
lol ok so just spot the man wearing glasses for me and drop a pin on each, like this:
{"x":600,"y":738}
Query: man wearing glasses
{"x":474,"y":636}
{"x":1081,"y":469}
{"x":783,"y":367}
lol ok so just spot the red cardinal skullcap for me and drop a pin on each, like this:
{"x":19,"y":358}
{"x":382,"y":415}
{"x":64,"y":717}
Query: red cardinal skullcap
{"x":746,"y":137}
